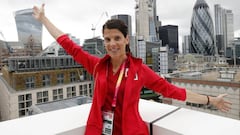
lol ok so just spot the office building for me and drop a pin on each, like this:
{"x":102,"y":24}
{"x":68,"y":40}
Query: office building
{"x":224,"y":29}
{"x":54,"y":49}
{"x":28,"y":81}
{"x":94,"y":46}
{"x":166,"y":60}
{"x":141,"y":49}
{"x":149,"y":52}
{"x":4,"y":53}
{"x":29,"y":31}
{"x":169,"y":36}
{"x":202,"y":31}
{"x":145,"y":13}
{"x":126,"y":19}
{"x":186,"y":44}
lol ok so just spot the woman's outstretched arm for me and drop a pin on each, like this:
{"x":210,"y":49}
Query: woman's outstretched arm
{"x":39,"y":14}
{"x":218,"y":101}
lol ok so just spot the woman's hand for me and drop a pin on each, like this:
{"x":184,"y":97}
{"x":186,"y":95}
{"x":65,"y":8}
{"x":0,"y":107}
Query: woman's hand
{"x":217,"y":102}
{"x":38,"y":13}
{"x":220,"y":103}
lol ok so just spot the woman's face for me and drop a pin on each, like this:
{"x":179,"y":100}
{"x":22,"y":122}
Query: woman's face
{"x":115,"y":43}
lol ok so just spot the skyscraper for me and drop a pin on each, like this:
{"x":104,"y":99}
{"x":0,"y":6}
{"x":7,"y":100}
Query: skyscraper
{"x":202,"y":31}
{"x":224,"y":28}
{"x":29,"y":31}
{"x":126,"y":19}
{"x":169,"y":36}
{"x":146,"y":19}
{"x":186,"y":44}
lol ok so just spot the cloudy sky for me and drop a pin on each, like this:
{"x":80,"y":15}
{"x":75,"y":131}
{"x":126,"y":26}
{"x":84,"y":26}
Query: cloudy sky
{"x":78,"y":16}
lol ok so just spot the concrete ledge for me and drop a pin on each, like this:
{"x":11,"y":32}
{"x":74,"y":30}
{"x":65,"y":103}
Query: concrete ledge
{"x":161,"y":119}
{"x":189,"y":122}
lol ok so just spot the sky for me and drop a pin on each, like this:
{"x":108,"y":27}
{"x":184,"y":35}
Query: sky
{"x":79,"y":16}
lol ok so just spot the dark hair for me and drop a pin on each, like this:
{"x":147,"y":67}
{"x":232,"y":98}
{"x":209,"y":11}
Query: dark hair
{"x":119,"y":25}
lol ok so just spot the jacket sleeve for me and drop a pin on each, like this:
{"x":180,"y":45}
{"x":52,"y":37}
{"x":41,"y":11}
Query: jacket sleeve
{"x":79,"y":55}
{"x":161,"y":85}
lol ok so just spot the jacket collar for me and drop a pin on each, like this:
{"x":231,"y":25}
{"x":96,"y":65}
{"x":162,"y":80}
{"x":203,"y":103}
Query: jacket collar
{"x":133,"y":61}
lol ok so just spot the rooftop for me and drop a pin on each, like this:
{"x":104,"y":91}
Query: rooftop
{"x":160,"y":118}
{"x":210,"y":75}
{"x":59,"y":104}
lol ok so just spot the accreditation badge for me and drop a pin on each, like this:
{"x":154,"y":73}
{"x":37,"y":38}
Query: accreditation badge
{"x":107,"y":122}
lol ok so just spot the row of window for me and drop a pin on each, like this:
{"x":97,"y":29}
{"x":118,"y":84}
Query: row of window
{"x":25,"y":101}
{"x":21,"y":64}
{"x":46,"y":80}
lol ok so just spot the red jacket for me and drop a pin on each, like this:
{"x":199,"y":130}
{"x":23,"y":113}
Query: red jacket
{"x":138,"y":76}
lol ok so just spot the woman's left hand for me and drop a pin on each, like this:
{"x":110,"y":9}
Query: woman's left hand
{"x":220,"y":103}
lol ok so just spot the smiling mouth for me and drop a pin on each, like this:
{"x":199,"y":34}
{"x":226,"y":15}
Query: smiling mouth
{"x":114,"y":50}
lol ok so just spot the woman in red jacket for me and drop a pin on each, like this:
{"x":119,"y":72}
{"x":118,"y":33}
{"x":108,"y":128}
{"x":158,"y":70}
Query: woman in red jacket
{"x":119,"y":78}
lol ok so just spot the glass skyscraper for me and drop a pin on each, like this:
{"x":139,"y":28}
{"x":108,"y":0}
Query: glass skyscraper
{"x":29,"y":31}
{"x":169,"y":36}
{"x":202,"y":30}
{"x":224,"y":28}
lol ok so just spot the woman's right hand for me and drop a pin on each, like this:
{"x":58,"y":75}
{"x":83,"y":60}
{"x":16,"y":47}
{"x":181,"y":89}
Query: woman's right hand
{"x":38,"y":13}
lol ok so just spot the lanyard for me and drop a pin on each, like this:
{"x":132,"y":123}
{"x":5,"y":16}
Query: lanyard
{"x":114,"y":102}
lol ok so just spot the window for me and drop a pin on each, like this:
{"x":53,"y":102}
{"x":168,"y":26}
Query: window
{"x":60,"y":78}
{"x":20,"y":98}
{"x":43,"y":64}
{"x":30,"y":82}
{"x":80,"y":90}
{"x":24,"y":102}
{"x":71,"y":92}
{"x":42,"y":97}
{"x":90,"y":89}
{"x":58,"y":94}
{"x":48,"y":63}
{"x":83,"y":89}
{"x":72,"y":76}
{"x":46,"y":80}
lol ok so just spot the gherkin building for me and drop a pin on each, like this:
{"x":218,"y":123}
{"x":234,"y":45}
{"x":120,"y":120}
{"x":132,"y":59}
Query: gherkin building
{"x":202,"y":31}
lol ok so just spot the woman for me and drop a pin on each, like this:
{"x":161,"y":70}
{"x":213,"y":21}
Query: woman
{"x":119,"y":78}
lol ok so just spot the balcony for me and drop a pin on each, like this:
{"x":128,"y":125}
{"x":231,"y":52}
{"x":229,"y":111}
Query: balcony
{"x":161,"y":119}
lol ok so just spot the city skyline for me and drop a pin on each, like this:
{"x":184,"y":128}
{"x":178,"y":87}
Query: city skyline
{"x":70,"y":16}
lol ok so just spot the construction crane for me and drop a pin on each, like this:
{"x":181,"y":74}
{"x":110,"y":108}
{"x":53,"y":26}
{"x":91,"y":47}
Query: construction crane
{"x":95,"y":26}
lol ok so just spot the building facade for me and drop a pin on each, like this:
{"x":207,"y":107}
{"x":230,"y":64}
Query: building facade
{"x":224,"y":28}
{"x":166,"y":60}
{"x":94,"y":46}
{"x":27,"y":81}
{"x":202,"y":30}
{"x":169,"y":36}
{"x":141,"y":49}
{"x":186,"y":44}
{"x":126,"y":19}
{"x":145,"y":13}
